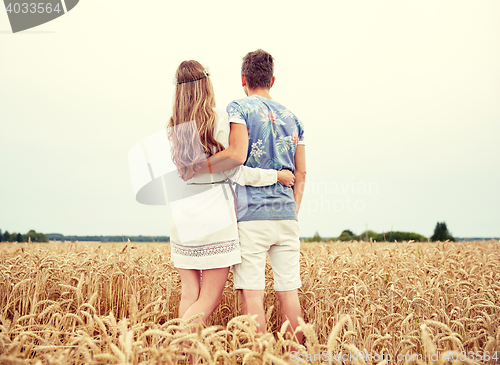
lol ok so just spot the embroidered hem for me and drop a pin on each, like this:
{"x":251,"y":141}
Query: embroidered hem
{"x":212,"y":249}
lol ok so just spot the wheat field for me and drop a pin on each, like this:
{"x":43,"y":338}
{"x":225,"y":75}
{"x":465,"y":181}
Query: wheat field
{"x":379,"y":303}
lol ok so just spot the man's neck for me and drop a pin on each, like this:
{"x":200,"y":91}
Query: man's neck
{"x":260,"y":91}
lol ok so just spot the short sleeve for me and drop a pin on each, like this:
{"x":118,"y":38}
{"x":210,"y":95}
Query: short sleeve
{"x":235,"y":114}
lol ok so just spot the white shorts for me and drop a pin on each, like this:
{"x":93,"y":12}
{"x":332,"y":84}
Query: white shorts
{"x":278,"y":238}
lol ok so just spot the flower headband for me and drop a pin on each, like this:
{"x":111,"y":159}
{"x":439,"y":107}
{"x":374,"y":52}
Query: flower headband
{"x":205,"y":74}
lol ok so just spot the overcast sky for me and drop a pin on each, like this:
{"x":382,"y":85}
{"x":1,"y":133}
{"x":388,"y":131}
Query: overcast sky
{"x":400,"y":102}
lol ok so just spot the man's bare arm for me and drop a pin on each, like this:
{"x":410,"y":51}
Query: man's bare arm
{"x":300,"y":174}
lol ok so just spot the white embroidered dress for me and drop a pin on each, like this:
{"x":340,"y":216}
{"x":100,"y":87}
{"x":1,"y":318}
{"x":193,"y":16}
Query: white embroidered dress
{"x":203,"y":230}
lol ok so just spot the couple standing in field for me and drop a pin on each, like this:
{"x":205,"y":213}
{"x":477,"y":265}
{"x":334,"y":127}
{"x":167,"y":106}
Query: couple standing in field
{"x":216,"y":227}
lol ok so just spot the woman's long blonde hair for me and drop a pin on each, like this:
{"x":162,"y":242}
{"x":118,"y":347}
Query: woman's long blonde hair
{"x":193,"y":118}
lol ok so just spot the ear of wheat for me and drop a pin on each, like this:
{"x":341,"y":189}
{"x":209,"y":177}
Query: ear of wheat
{"x":106,"y":303}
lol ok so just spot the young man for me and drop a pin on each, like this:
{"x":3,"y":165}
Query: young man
{"x":272,"y":137}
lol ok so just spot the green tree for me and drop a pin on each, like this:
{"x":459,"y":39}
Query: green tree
{"x":366,"y":235}
{"x":36,"y":237}
{"x":441,"y":233}
{"x":348,"y":231}
{"x":6,"y":236}
{"x":401,"y":236}
{"x":1,"y":237}
{"x":13,"y":237}
{"x":19,"y":237}
{"x":315,"y":238}
{"x":347,"y":235}
{"x":40,"y":237}
{"x":31,"y":234}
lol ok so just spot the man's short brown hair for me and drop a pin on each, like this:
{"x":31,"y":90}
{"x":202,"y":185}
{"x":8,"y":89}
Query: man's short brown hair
{"x":258,"y":69}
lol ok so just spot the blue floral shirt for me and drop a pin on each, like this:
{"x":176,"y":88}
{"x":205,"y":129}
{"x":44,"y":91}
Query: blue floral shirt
{"x":274,"y":133}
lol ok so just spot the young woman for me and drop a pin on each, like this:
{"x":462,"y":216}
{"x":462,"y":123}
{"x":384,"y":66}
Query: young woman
{"x":204,"y":233}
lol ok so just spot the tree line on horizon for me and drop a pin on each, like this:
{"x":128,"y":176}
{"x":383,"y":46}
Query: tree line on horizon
{"x":31,"y":236}
{"x":60,"y":237}
{"x":441,"y":233}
